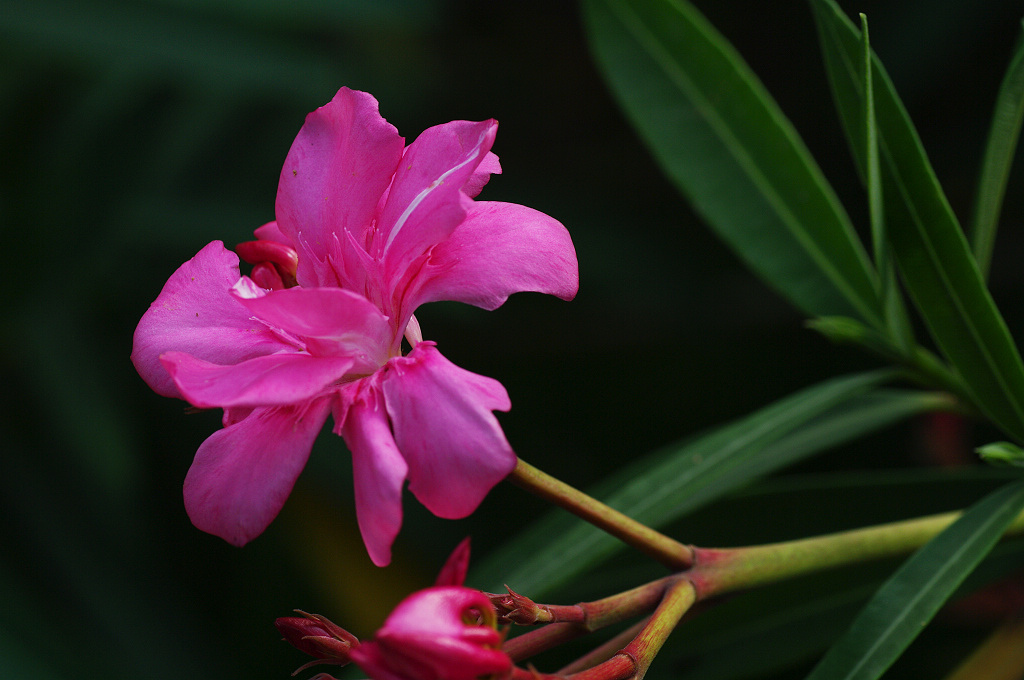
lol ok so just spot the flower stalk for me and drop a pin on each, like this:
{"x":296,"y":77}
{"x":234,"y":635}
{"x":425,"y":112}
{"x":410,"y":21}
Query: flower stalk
{"x":718,"y":571}
{"x":677,"y":595}
{"x":712,"y":572}
{"x":678,"y":599}
{"x":605,"y":650}
{"x":668,"y":551}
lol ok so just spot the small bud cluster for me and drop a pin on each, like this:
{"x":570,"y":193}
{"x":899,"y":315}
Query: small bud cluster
{"x":515,"y":608}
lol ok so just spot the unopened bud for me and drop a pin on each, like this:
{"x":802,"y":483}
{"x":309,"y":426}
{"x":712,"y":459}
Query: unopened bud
{"x":440,"y":633}
{"x":318,"y":637}
{"x":282,"y":256}
{"x":515,"y":608}
{"x":274,"y":263}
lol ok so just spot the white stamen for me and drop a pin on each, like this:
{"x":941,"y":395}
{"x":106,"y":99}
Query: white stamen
{"x":413,"y":333}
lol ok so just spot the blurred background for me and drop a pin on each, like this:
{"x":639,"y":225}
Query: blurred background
{"x":134,"y":132}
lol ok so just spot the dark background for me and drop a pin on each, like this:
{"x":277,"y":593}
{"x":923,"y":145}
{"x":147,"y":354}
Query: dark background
{"x":133,"y":133}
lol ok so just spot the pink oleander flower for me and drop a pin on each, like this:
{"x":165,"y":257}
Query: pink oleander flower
{"x":367,"y":230}
{"x":441,"y":633}
{"x":446,"y":632}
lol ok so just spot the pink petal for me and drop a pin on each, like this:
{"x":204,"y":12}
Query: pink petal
{"x":424,"y":656}
{"x":378,"y":468}
{"x":427,"y":637}
{"x":271,"y":232}
{"x":439,"y":611}
{"x":332,"y":321}
{"x":425,"y":202}
{"x":242,"y":474}
{"x":377,"y":663}
{"x":236,"y":414}
{"x":500,"y":249}
{"x":453,"y":573}
{"x":443,"y":425}
{"x":275,"y":380}
{"x":195,"y":314}
{"x":488,"y":166}
{"x":341,"y":162}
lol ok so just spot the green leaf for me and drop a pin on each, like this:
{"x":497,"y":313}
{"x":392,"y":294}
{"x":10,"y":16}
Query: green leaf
{"x":999,"y":153}
{"x":874,"y":177}
{"x":907,"y":601}
{"x":937,"y":267}
{"x":1002,"y":454}
{"x":896,"y":322}
{"x":921,"y":363}
{"x":724,"y":142}
{"x":667,"y":484}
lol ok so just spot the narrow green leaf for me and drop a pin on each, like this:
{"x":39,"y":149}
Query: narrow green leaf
{"x":874,"y":176}
{"x":907,"y":601}
{"x":896,"y":323}
{"x":999,"y":153}
{"x":724,"y":142}
{"x":922,"y":364}
{"x":667,"y":484}
{"x":938,"y":269}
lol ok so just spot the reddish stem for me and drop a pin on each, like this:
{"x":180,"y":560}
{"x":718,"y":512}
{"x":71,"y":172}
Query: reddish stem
{"x":542,"y":639}
{"x":604,"y":651}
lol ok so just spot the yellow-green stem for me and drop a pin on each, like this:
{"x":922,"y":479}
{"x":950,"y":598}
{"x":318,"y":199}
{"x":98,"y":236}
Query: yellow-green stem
{"x":718,"y":571}
{"x":668,"y":551}
{"x":679,"y":597}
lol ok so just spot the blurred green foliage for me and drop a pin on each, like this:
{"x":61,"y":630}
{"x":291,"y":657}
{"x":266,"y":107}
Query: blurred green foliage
{"x":134,"y":132}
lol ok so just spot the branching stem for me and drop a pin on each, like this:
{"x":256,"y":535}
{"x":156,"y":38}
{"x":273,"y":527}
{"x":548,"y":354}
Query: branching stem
{"x":717,"y":571}
{"x":712,"y":572}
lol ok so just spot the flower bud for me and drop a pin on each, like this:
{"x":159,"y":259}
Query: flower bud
{"x":284,"y":257}
{"x":441,"y":633}
{"x":274,"y":264}
{"x":318,"y":637}
{"x":515,"y":608}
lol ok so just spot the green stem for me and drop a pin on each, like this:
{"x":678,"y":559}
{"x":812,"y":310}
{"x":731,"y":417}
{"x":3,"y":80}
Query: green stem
{"x":568,"y":622}
{"x":673,"y":595}
{"x":717,"y":571}
{"x":668,"y":551}
{"x":645,"y":646}
{"x":714,"y":571}
{"x":586,"y":617}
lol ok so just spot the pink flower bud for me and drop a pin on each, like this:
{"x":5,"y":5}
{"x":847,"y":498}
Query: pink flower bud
{"x":318,"y":637}
{"x":441,"y":633}
{"x":284,"y":257}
